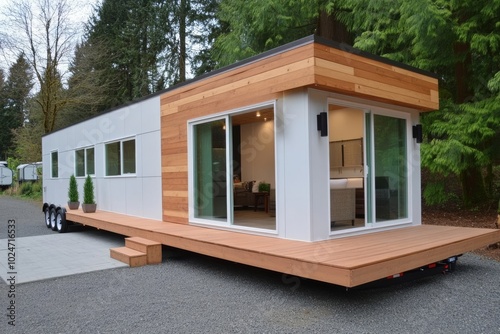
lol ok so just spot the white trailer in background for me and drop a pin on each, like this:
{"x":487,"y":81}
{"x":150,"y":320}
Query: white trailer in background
{"x":5,"y":176}
{"x":28,"y":172}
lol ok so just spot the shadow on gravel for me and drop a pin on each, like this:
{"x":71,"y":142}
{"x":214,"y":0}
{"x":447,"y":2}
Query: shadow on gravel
{"x":302,"y":287}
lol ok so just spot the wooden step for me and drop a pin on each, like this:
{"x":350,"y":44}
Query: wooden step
{"x":129,"y":256}
{"x":151,"y":248}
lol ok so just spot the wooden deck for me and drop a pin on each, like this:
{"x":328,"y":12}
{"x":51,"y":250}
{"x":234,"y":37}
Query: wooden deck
{"x":349,"y":261}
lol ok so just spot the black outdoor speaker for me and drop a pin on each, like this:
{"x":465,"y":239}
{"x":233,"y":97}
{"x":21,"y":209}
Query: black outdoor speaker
{"x":323,"y":123}
{"x":417,"y":133}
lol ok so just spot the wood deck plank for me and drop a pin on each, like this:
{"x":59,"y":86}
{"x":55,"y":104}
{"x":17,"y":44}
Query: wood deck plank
{"x":348,"y":261}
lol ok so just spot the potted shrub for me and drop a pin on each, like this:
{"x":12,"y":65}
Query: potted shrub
{"x":264,"y":187}
{"x":89,"y":204}
{"x":73,"y":202}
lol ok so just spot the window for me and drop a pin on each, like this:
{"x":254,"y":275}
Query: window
{"x":89,"y":160}
{"x":54,"y":164}
{"x":84,"y":162}
{"x":80,"y":163}
{"x":120,"y":157}
{"x":129,"y":156}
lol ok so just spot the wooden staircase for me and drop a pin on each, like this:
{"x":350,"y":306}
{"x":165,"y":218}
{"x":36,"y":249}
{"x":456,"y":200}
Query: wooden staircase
{"x":137,"y":252}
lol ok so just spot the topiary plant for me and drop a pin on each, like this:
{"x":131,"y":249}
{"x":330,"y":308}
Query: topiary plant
{"x":88,"y":191}
{"x":73,"y":189}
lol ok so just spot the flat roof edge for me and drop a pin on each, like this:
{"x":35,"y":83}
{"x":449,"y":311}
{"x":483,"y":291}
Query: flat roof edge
{"x":275,"y":51}
{"x":350,"y":49}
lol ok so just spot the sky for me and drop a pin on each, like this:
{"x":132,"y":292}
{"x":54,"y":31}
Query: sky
{"x":80,"y":15}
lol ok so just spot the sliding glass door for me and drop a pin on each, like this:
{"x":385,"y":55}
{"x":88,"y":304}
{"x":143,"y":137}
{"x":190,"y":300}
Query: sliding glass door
{"x":210,"y":177}
{"x":387,"y":162}
{"x":369,"y":168}
{"x":232,"y":170}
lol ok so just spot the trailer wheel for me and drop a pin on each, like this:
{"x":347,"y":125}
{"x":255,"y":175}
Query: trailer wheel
{"x":61,"y":223}
{"x":53,"y":213}
{"x":46,"y":214}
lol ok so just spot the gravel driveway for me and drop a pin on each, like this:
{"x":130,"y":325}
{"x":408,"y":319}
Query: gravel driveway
{"x":190,"y":293}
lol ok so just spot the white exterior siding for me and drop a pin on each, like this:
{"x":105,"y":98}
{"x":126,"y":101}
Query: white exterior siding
{"x":139,"y":194}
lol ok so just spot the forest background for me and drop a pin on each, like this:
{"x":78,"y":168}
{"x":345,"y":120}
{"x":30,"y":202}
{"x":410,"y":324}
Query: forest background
{"x":55,"y":72}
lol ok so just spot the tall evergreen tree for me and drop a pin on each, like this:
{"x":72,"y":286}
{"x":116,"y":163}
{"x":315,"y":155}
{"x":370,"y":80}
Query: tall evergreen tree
{"x":15,"y":94}
{"x":254,"y":26}
{"x":149,"y":44}
{"x":459,"y":40}
{"x":87,"y":87}
{"x":132,"y":36}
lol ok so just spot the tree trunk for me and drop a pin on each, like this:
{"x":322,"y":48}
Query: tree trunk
{"x":463,"y":66}
{"x":182,"y":42}
{"x":330,"y":28}
{"x":473,"y":189}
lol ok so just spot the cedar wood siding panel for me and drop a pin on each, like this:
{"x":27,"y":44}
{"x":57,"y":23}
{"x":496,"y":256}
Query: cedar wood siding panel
{"x":373,"y":80}
{"x":310,"y":65}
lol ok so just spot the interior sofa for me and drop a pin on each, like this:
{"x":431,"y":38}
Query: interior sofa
{"x":242,"y":194}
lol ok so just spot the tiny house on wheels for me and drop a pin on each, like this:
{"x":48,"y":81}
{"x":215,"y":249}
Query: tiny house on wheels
{"x":5,"y":176}
{"x":28,"y":172}
{"x":304,"y":160}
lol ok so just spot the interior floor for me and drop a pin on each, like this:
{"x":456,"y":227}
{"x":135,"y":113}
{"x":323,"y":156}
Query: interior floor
{"x":346,"y":224}
{"x":257,"y":219}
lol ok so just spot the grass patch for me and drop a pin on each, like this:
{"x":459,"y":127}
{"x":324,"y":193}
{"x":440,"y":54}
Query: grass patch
{"x":27,"y":190}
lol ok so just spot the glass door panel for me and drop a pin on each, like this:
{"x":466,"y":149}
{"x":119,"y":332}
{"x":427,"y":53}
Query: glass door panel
{"x":210,"y":177}
{"x":391,"y":168}
{"x":346,"y":159}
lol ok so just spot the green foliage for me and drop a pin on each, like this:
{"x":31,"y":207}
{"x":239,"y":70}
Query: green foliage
{"x":436,"y":194}
{"x":254,"y":26}
{"x":14,"y":93}
{"x":88,"y":191}
{"x":12,"y":163}
{"x":140,"y":47}
{"x":73,"y":189}
{"x":31,"y":190}
{"x":28,"y":141}
{"x":26,"y":189}
{"x":264,"y":187}
{"x":459,"y":40}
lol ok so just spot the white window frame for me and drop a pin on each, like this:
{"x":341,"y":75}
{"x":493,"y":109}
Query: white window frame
{"x":120,"y":141}
{"x":85,"y":161}
{"x":409,"y":167}
{"x":229,"y":224}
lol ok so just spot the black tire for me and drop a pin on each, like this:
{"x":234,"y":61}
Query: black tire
{"x":53,"y":213}
{"x":61,"y":223}
{"x":46,"y":214}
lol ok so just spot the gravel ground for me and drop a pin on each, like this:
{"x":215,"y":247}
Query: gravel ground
{"x":190,"y":293}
